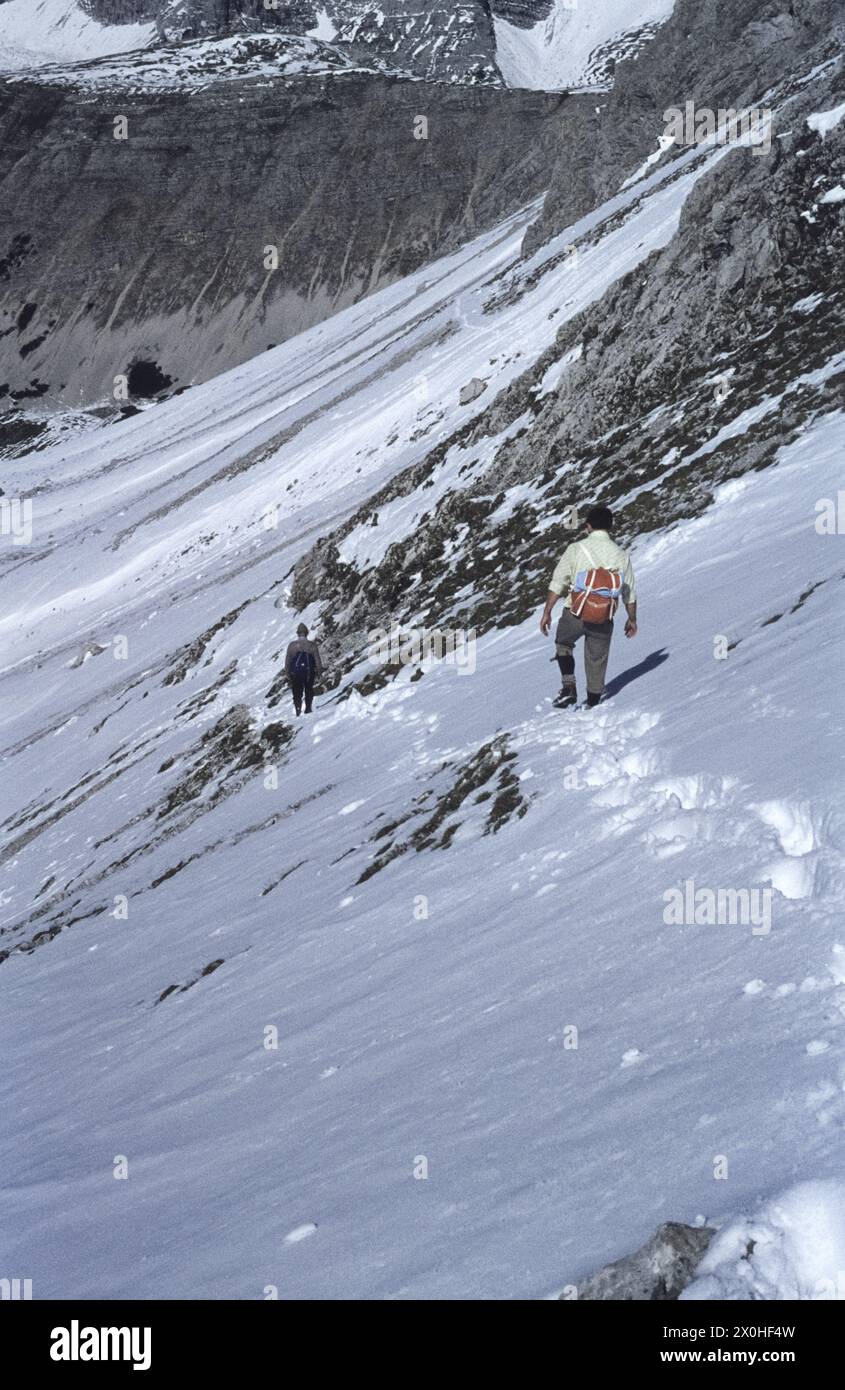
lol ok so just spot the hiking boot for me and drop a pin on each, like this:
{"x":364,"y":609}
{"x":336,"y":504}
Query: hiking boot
{"x":568,"y":696}
{"x":592,"y":699}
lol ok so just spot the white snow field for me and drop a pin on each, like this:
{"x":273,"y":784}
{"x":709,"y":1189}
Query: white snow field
{"x":34,"y":32}
{"x":794,"y":1247}
{"x":424,"y":1127}
{"x":560,"y":51}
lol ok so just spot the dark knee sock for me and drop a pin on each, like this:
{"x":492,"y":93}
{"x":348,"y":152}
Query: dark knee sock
{"x":567,"y":668}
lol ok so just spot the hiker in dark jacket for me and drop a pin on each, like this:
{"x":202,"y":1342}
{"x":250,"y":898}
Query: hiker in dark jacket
{"x":303,"y":666}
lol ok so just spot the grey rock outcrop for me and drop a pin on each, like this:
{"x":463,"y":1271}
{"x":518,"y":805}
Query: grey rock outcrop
{"x":472,"y":390}
{"x":658,"y":1272}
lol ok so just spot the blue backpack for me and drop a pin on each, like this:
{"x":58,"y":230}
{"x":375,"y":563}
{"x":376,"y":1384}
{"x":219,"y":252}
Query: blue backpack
{"x":303,"y":665}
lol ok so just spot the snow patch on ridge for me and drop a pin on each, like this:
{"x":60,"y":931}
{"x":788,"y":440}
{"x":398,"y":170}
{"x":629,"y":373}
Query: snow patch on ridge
{"x":193,"y":65}
{"x":324,"y":28}
{"x":555,"y":54}
{"x":825,"y":121}
{"x":35,"y":32}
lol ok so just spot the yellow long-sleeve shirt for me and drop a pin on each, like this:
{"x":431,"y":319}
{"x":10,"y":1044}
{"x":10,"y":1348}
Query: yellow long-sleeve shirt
{"x":598,"y":550}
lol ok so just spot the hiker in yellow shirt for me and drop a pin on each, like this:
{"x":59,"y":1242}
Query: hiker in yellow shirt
{"x":592,"y":574}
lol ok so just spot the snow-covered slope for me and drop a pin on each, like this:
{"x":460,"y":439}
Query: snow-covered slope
{"x":35,"y":32}
{"x":316,"y":982}
{"x":577,"y":45}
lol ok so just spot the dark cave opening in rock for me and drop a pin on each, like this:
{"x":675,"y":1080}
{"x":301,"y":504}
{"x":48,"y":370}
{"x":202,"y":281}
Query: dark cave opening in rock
{"x":147,"y":380}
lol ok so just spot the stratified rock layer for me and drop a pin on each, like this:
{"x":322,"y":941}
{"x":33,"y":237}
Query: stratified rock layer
{"x":158,"y":249}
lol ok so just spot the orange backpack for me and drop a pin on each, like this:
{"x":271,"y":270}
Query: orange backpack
{"x":595,"y":593}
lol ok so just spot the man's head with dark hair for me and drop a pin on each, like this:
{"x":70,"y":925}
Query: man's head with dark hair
{"x":600,"y":519}
{"x":302,"y":630}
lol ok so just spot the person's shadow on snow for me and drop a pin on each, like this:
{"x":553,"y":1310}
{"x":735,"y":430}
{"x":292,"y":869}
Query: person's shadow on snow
{"x":649,"y":663}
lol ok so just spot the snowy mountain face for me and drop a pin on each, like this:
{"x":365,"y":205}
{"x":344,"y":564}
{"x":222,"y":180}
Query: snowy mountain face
{"x":310,"y":117}
{"x":123,"y":270}
{"x":446,"y":42}
{"x":552,"y":44}
{"x":450,"y":42}
{"x":391,"y":1001}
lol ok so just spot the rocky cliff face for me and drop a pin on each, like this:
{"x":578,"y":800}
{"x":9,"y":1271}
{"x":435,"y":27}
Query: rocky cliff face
{"x":154,"y":257}
{"x":525,"y":13}
{"x":123,"y":11}
{"x":715,"y":53}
